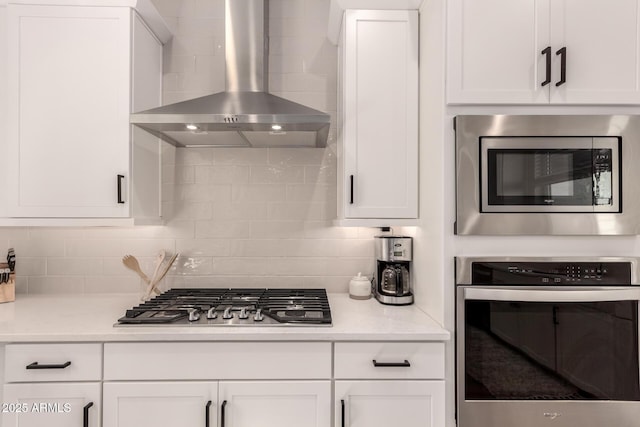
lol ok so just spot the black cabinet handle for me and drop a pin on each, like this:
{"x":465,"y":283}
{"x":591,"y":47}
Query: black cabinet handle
{"x":85,"y":414}
{"x":547,"y":79}
{"x":342,"y":413}
{"x":120,"y":178}
{"x":351,"y":189}
{"x":563,"y":66}
{"x":35,"y":365}
{"x":404,"y":364}
{"x":222,"y":411}
{"x":206,"y":414}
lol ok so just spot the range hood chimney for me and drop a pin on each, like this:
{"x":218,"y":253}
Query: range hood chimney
{"x":245,"y":115}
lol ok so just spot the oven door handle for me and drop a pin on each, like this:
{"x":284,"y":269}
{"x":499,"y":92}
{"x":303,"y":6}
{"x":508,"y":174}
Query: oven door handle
{"x":553,"y":294}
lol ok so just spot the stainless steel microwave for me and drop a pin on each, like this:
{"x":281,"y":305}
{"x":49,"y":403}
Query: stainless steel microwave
{"x":537,"y":175}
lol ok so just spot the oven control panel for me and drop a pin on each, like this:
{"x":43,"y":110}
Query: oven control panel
{"x":551,"y":273}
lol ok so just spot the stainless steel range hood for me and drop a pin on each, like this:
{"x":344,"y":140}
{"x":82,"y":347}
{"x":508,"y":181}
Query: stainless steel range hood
{"x":245,"y":114}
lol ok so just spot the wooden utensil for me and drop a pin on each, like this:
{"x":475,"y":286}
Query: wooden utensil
{"x":151,"y":286}
{"x":163,"y":272}
{"x":132,"y":263}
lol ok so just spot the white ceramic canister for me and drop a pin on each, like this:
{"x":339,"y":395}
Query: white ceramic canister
{"x":360,"y":287}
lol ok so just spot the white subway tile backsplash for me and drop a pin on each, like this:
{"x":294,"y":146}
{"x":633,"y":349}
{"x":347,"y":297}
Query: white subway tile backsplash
{"x":191,"y":210}
{"x":204,"y":192}
{"x":55,"y":285}
{"x":239,"y":211}
{"x":222,"y":174}
{"x":222,"y":229}
{"x":240,"y":217}
{"x":277,"y":229}
{"x":74,"y":266}
{"x":92,"y":248}
{"x":192,"y":265}
{"x":37,"y":247}
{"x":311,"y":193}
{"x":210,"y":8}
{"x":300,"y":211}
{"x":200,"y":26}
{"x":311,"y":248}
{"x":193,"y":156}
{"x":147,"y":247}
{"x":238,"y":156}
{"x":31,"y":266}
{"x":257,"y":248}
{"x":276,"y":174}
{"x":299,"y":156}
{"x":325,"y":174}
{"x":258,"y":193}
{"x":203,"y":247}
{"x":109,"y":284}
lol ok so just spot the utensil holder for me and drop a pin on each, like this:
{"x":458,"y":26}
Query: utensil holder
{"x":8,"y":289}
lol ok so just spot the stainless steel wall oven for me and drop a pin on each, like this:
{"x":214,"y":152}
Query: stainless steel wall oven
{"x":541,"y":340}
{"x":547,"y":174}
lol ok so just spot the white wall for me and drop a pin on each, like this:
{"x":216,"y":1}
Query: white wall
{"x":239,"y":217}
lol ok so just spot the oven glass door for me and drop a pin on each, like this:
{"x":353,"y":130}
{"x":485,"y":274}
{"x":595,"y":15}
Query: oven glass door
{"x":549,"y":174}
{"x":516,"y":349}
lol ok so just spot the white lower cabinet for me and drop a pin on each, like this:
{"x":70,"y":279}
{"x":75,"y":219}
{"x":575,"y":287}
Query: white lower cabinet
{"x":389,"y":403}
{"x":160,"y":404}
{"x":51,"y":405}
{"x":275,"y":404}
{"x":224,"y":404}
{"x":224,"y":384}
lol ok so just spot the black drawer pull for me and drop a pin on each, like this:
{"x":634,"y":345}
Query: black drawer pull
{"x":404,"y":364}
{"x":222,"y":413}
{"x":85,"y":414}
{"x":563,"y":66}
{"x":342,"y":412}
{"x":350,"y":189}
{"x":206,"y":414}
{"x":35,"y":365}
{"x":120,"y":199}
{"x":547,"y":53}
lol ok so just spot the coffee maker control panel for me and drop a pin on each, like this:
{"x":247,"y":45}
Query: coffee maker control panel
{"x":394,"y":249}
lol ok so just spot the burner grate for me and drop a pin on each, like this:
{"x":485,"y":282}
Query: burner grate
{"x":239,"y":306}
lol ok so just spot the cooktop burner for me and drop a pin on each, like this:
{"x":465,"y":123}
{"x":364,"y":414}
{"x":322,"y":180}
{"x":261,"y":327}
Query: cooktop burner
{"x":233,"y":307}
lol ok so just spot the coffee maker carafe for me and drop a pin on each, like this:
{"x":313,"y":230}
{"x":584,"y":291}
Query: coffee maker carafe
{"x":392,"y":276}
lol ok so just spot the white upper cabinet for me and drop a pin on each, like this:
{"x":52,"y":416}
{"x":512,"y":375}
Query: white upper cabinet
{"x":75,"y":74}
{"x":378,"y":159}
{"x":542,"y":51}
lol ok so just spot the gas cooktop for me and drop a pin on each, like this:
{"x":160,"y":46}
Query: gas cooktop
{"x":233,"y":307}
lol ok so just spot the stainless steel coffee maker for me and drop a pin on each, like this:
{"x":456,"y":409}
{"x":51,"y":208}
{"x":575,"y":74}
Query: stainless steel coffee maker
{"x":392,"y":278}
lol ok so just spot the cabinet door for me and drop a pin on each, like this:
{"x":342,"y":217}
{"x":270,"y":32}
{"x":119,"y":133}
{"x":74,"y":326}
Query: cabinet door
{"x":389,"y":403}
{"x":160,"y":404}
{"x":51,"y":405}
{"x":494,"y":51}
{"x":275,"y":404}
{"x":69,"y":76}
{"x":602,"y":41}
{"x":380,"y":131}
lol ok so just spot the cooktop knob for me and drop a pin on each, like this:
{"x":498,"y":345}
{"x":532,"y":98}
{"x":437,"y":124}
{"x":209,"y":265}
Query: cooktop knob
{"x":227,"y":313}
{"x":212,"y":313}
{"x":258,"y":316}
{"x":194,"y":315}
{"x":243,"y":313}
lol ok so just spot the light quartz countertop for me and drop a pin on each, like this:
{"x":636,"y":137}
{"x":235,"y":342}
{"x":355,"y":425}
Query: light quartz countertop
{"x":74,"y":318}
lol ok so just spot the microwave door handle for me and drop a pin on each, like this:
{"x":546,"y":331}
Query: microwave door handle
{"x":547,"y":294}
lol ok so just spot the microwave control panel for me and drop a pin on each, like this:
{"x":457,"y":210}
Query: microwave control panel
{"x":551,"y":273}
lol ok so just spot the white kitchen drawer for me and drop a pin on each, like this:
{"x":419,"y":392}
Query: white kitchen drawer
{"x":217,"y":360}
{"x":53,"y":362}
{"x":411,"y":360}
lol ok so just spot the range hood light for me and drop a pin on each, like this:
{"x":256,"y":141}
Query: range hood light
{"x":192,"y":127}
{"x":276,"y":127}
